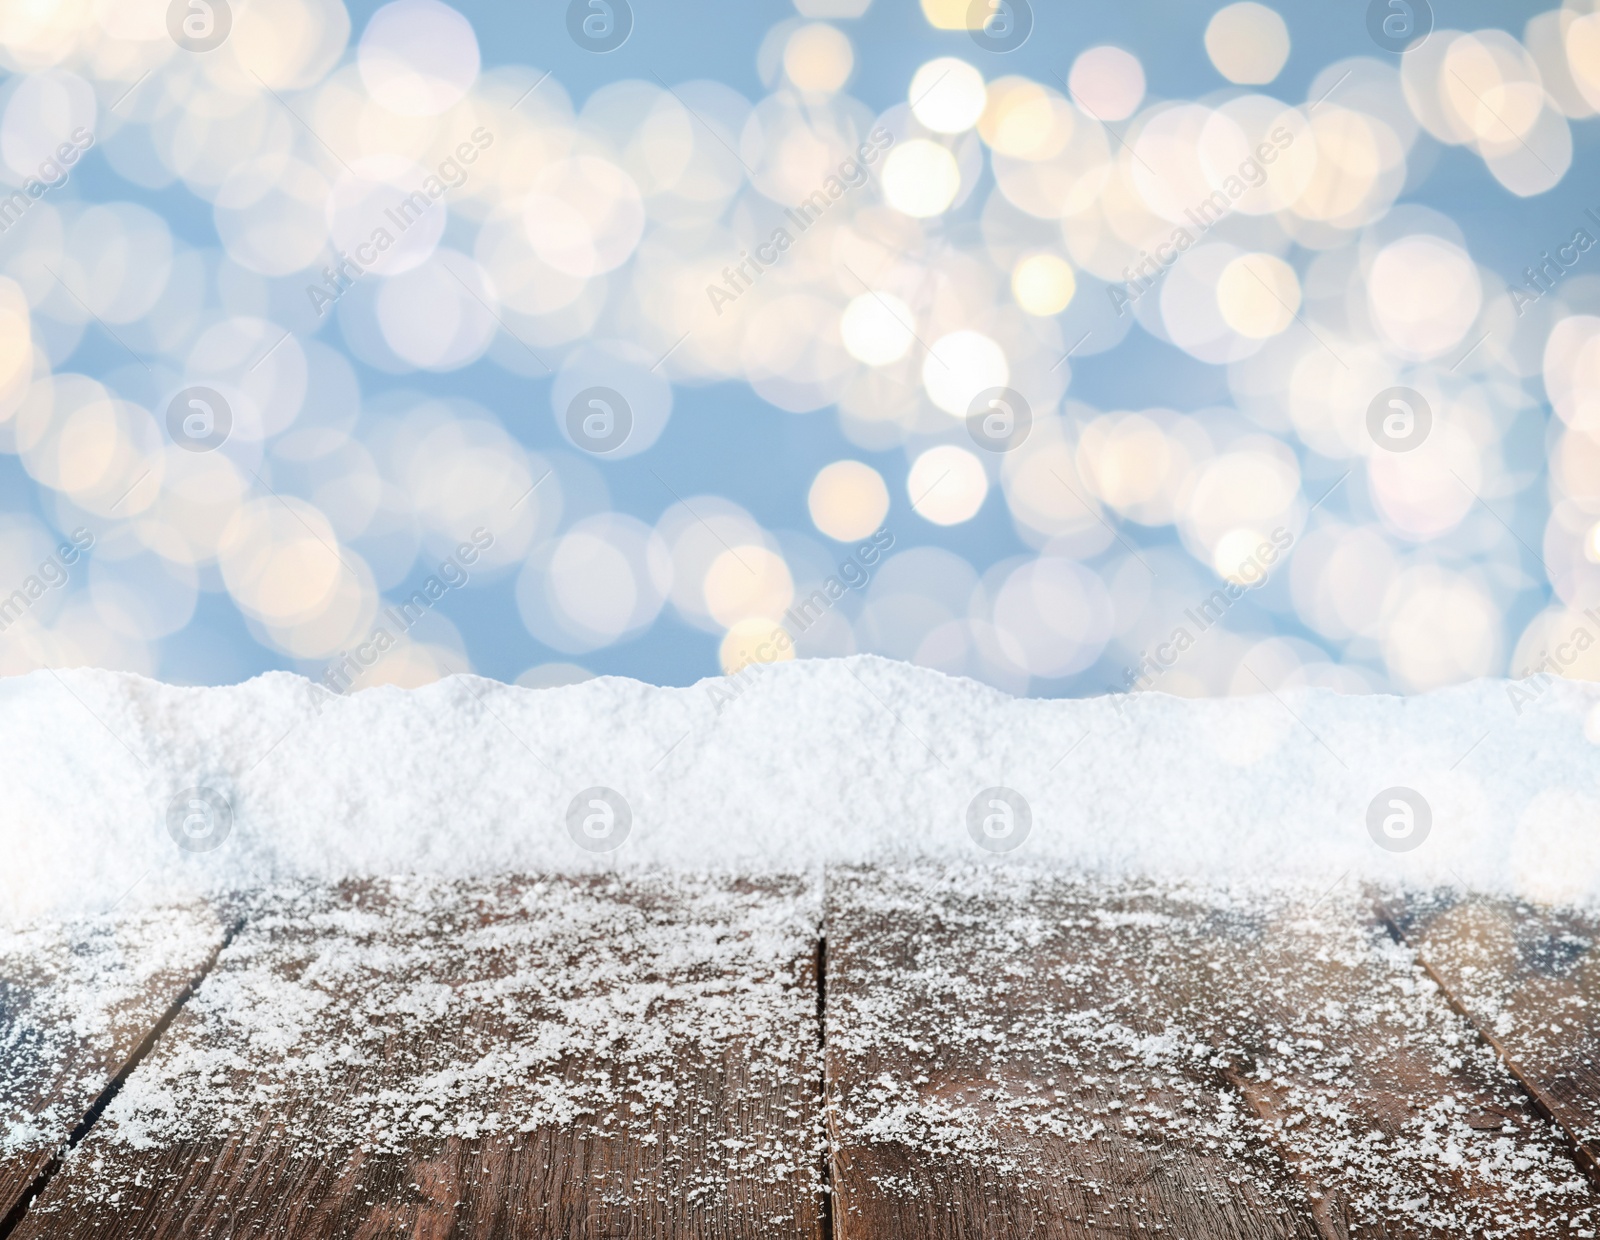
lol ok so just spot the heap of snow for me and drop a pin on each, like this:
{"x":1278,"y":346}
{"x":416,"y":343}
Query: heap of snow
{"x":783,"y":768}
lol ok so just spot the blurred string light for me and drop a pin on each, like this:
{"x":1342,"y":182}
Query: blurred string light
{"x":574,"y":242}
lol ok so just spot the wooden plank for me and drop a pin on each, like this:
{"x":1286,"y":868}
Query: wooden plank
{"x":573,"y":1058}
{"x":79,"y":1000}
{"x":1397,"y":1118}
{"x":997,"y":1067}
{"x":1528,"y":977}
{"x":1015,"y":1054}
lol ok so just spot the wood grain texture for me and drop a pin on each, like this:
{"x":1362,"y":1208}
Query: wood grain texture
{"x":1019,"y":1055}
{"x":77,"y":1001}
{"x":999,"y":1066}
{"x":1398,"y":1120}
{"x":588,"y":1059}
{"x":1528,"y":976}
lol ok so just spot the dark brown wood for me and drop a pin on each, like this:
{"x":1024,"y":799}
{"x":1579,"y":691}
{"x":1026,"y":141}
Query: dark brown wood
{"x":1397,"y":1118}
{"x":1012,"y":1054}
{"x":1528,"y":977}
{"x":78,"y":1002}
{"x":588,"y":1059}
{"x":1000,"y":1066}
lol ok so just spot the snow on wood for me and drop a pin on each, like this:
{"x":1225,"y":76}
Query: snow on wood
{"x":512,"y":1057}
{"x":77,"y":1002}
{"x":1031,"y":1055}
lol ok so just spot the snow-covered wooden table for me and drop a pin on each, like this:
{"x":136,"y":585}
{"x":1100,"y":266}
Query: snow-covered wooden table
{"x":974,"y":1052}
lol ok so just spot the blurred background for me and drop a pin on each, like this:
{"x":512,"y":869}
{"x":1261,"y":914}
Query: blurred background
{"x":1201,"y":348}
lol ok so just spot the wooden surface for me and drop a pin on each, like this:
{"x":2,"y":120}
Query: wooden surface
{"x":990,"y":1077}
{"x":1529,"y":979}
{"x":1020,"y":1056}
{"x":582,"y":1059}
{"x":1398,"y":1120}
{"x":78,"y":1003}
{"x":1008,"y":1055}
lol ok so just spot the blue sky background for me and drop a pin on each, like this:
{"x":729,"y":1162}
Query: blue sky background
{"x":722,"y":439}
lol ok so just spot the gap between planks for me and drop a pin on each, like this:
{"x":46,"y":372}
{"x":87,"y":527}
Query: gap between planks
{"x":828,"y":1170}
{"x":97,"y":1108}
{"x":1541,"y":1100}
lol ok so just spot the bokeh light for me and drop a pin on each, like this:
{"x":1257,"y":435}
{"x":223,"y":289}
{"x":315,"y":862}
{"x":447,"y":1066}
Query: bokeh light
{"x":418,"y":57}
{"x":621,"y":355}
{"x":1043,"y":284}
{"x":848,"y":500}
{"x":818,"y":58}
{"x":947,"y":95}
{"x":946,"y":485}
{"x":1247,"y":42}
{"x":920,"y":177}
{"x":1107,"y":82}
